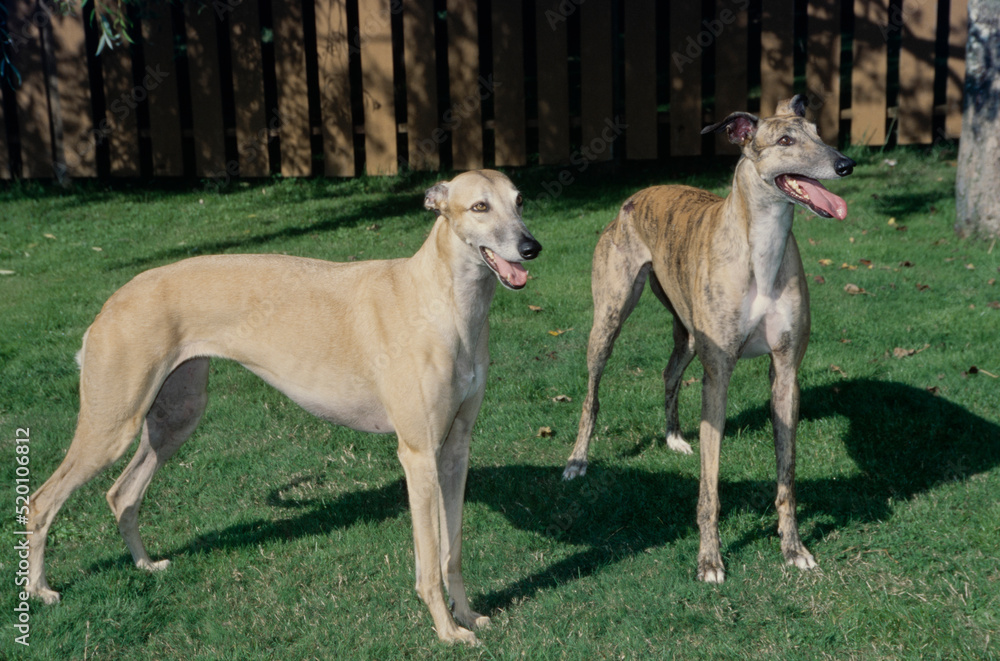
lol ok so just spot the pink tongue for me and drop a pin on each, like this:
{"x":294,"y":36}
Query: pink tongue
{"x":513,"y":273}
{"x":822,"y":198}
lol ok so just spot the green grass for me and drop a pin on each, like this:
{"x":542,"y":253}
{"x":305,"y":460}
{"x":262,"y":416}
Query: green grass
{"x":291,"y":539}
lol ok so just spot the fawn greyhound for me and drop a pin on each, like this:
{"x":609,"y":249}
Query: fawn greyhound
{"x":730,"y":273}
{"x":381,"y":346}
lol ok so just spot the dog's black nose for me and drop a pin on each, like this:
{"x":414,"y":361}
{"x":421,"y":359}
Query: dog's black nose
{"x":529,"y":248}
{"x":844,"y":166}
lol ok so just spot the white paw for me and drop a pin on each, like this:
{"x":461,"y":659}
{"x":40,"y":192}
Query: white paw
{"x":151,"y":566}
{"x":803,"y":560}
{"x":713,"y":576}
{"x":458,"y":634}
{"x":575,"y":468}
{"x":47,"y":595}
{"x":677,"y":443}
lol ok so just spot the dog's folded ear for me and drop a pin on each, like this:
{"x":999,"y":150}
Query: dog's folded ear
{"x":740,"y":126}
{"x":436,"y":196}
{"x":793,"y":106}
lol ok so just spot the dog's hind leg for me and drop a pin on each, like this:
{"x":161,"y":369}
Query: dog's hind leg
{"x":174,"y":414}
{"x":100,"y":439}
{"x":680,"y":358}
{"x":621,"y":266}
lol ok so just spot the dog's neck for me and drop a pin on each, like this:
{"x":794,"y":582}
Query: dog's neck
{"x":462,"y":281}
{"x":768,"y":223}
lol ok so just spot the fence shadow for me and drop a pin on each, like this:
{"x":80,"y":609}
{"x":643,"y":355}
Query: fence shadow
{"x":904,"y":441}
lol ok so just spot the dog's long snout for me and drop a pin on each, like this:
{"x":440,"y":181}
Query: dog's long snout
{"x":528,"y":248}
{"x":844,"y":166}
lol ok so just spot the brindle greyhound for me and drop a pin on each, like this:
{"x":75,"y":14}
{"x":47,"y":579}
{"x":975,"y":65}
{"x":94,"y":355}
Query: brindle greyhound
{"x":383,"y":346}
{"x":730,"y":273}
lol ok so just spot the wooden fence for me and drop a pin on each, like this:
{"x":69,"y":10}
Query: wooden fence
{"x":248,"y":88}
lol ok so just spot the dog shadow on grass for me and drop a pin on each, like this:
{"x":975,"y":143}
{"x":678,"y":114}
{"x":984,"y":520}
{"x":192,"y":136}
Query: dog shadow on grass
{"x":904,"y":441}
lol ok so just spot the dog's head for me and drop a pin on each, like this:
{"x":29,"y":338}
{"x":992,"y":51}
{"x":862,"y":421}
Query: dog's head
{"x":483,"y":208}
{"x":789,"y":155}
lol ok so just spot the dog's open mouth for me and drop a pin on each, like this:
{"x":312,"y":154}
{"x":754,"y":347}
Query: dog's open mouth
{"x":511,"y":274}
{"x":812,"y":194}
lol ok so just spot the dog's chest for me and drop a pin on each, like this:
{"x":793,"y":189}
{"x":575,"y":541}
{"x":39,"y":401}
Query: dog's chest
{"x":765,"y":315}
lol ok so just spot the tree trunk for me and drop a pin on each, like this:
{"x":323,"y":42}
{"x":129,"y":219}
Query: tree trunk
{"x":977,"y":182}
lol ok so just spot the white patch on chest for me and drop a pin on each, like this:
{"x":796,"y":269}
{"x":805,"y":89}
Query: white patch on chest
{"x":765,"y":316}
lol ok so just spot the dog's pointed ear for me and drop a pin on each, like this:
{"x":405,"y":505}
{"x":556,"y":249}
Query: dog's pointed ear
{"x":436,"y":196}
{"x":740,"y":126}
{"x":793,"y":106}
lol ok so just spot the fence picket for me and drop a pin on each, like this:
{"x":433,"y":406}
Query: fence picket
{"x":120,"y":107}
{"x":293,"y":90}
{"x":252,"y":134}
{"x":465,"y":107}
{"x":868,"y":78}
{"x":32,"y":98}
{"x":203,"y":66}
{"x":730,"y":66}
{"x":596,"y":80}
{"x":776,"y":66}
{"x":423,"y":136}
{"x":958,"y":35}
{"x":164,"y":99}
{"x":509,"y":121}
{"x":640,"y":77}
{"x":916,"y":71}
{"x":333,"y":50}
{"x":685,"y":79}
{"x":376,"y":67}
{"x":70,"y":48}
{"x":553,"y":83}
{"x":823,"y":68}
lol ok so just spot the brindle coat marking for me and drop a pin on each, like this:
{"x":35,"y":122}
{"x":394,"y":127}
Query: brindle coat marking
{"x":730,"y":273}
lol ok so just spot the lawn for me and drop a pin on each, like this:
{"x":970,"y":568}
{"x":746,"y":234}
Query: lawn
{"x":291,"y":539}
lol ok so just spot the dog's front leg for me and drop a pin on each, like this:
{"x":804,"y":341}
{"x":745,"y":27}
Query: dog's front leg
{"x":715,"y":384}
{"x":423,"y":485}
{"x":784,"y":420}
{"x":453,"y":467}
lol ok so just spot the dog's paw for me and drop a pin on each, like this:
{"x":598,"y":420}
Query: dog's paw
{"x":711,"y":572}
{"x":800,"y":558}
{"x":457,"y":634}
{"x":47,"y":595}
{"x":472,"y":619}
{"x":575,"y":468}
{"x":677,"y":443}
{"x":151,"y":566}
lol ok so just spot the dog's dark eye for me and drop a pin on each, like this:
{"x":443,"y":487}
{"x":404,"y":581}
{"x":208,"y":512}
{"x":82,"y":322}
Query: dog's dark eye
{"x":786,"y":141}
{"x":519,"y":201}
{"x":480,"y":206}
